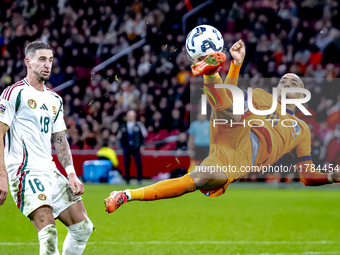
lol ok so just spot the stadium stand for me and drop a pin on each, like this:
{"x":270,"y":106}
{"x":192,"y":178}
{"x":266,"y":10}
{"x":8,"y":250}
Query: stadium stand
{"x":281,"y":36}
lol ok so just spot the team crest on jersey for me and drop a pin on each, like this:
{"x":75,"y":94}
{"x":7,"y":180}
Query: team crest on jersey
{"x":54,"y":109}
{"x":297,"y":129}
{"x":32,"y":103}
{"x":2,"y":109}
{"x":42,"y":197}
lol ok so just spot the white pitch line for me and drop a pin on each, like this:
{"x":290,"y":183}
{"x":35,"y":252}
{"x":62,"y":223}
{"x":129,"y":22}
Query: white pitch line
{"x":209,"y":242}
{"x":190,"y":243}
{"x":300,"y":253}
{"x":16,"y":244}
{"x":217,"y":242}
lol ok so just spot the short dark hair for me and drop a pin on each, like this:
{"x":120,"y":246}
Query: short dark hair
{"x":105,"y":142}
{"x":36,"y":45}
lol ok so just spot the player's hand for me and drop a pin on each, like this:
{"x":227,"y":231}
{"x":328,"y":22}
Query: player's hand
{"x":3,"y":188}
{"x":76,"y":185}
{"x":238,"y":52}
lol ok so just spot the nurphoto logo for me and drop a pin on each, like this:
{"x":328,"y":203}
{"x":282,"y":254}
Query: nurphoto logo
{"x":238,"y":100}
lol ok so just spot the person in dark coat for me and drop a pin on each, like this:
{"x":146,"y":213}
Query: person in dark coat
{"x":131,"y":135}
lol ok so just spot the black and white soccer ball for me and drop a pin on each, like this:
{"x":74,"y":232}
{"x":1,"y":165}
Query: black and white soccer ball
{"x":202,"y":40}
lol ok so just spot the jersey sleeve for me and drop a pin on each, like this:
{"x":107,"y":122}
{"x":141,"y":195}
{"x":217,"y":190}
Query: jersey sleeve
{"x":309,"y":175}
{"x":9,"y":104}
{"x":232,"y":77}
{"x":58,"y":123}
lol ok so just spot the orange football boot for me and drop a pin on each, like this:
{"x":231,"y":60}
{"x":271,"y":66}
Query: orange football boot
{"x":114,"y":201}
{"x":210,"y":64}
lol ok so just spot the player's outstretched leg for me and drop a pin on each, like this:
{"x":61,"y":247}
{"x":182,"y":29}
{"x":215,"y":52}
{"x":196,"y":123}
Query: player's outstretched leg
{"x":218,"y":97}
{"x":201,"y":178}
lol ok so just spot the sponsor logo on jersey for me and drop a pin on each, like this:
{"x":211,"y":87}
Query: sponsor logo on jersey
{"x":42,"y":197}
{"x":54,"y":110}
{"x":43,"y":107}
{"x":2,"y":109}
{"x":32,"y":103}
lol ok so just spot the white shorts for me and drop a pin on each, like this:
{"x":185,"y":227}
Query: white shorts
{"x":32,"y":189}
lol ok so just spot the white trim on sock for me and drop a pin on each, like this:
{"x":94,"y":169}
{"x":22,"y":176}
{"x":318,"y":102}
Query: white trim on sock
{"x":128,"y":194}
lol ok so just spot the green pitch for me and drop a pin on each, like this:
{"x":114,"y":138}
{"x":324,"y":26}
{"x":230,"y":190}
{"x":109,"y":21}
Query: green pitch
{"x":245,"y":220}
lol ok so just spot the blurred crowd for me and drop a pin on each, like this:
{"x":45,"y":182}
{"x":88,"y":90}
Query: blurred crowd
{"x":301,"y":37}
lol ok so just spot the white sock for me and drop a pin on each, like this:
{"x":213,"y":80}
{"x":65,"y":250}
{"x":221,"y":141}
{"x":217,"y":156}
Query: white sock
{"x":48,"y":239}
{"x":78,"y":234}
{"x":128,"y":194}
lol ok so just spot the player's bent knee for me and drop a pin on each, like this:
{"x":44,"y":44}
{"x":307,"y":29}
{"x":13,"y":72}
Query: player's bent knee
{"x":78,"y":234}
{"x":200,"y":183}
{"x":82,"y":230}
{"x":206,"y":179}
{"x":208,"y":183}
{"x":88,"y":228}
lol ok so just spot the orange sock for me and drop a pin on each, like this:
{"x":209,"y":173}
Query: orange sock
{"x":219,"y":100}
{"x":164,"y":189}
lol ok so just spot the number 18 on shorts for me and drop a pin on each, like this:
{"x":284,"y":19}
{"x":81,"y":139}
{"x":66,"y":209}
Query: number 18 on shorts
{"x":32,"y":189}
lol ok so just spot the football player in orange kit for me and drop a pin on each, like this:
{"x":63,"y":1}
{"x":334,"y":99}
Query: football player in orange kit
{"x":236,"y":148}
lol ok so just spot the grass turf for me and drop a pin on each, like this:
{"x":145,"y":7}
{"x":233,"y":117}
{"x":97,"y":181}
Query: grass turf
{"x":245,"y":220}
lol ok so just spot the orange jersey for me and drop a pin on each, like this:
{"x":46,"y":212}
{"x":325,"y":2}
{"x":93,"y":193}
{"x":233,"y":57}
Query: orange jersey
{"x":280,"y":134}
{"x":230,"y":145}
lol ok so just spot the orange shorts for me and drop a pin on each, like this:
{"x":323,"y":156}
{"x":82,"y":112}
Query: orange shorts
{"x":232,"y":153}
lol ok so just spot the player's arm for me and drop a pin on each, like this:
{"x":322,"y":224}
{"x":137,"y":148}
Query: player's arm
{"x":63,"y":151}
{"x":9,"y":106}
{"x":3,"y":173}
{"x":309,"y":175}
{"x":238,"y":52}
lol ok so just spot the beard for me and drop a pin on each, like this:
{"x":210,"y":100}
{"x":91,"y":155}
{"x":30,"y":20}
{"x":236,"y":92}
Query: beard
{"x":40,"y":77}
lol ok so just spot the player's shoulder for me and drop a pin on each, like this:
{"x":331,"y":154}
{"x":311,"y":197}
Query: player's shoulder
{"x":13,"y":90}
{"x":53,"y":93}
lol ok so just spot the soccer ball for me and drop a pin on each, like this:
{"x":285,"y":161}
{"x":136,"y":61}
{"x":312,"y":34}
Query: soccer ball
{"x":203,"y":39}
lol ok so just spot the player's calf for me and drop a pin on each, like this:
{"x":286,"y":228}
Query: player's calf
{"x":78,"y":234}
{"x":48,"y":239}
{"x":202,"y":178}
{"x":160,"y":190}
